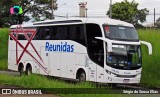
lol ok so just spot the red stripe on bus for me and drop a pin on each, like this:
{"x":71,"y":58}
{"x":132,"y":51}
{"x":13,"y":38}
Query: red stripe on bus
{"x":25,"y":32}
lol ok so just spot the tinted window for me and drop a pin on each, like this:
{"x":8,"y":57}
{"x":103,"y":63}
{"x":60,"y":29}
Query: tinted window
{"x":125,"y":57}
{"x":77,"y":34}
{"x":121,"y":33}
{"x":13,"y":35}
{"x":38,"y":34}
{"x":66,"y":32}
{"x":21,"y":37}
{"x":95,"y":46}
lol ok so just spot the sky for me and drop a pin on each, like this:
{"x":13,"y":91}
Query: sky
{"x":99,"y":8}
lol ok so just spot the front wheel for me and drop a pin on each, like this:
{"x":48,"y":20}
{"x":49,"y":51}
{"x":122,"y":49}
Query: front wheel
{"x":81,"y":76}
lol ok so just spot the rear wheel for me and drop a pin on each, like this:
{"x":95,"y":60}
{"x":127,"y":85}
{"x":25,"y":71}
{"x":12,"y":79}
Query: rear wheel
{"x":29,"y":70}
{"x":21,"y":71}
{"x":81,"y":76}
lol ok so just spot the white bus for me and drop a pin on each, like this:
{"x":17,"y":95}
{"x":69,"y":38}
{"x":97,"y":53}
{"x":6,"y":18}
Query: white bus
{"x":85,"y":49}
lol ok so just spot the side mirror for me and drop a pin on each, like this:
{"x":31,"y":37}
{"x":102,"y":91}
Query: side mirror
{"x":148,"y":45}
{"x":109,"y":43}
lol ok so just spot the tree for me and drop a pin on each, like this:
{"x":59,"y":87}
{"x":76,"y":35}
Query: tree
{"x":37,"y":9}
{"x":128,"y":11}
{"x":158,"y":22}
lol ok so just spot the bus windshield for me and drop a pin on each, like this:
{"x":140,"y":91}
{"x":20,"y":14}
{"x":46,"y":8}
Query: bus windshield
{"x":126,"y":57}
{"x":120,"y":33}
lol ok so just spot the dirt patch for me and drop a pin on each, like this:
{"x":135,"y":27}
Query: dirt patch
{"x":8,"y":86}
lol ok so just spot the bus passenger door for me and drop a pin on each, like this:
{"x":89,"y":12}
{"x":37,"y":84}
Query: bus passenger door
{"x":95,"y":50}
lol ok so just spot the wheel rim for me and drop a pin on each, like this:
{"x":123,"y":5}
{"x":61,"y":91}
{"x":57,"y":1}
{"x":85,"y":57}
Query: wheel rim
{"x":21,"y":71}
{"x":82,"y":77}
{"x":29,"y":71}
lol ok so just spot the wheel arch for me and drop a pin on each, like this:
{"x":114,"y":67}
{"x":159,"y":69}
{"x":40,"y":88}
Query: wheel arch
{"x":28,"y":65}
{"x":79,"y":70}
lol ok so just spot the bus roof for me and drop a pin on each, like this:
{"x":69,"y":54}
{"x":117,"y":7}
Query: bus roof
{"x":71,"y":21}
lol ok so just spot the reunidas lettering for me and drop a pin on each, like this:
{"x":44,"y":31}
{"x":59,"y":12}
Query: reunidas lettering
{"x":62,"y":47}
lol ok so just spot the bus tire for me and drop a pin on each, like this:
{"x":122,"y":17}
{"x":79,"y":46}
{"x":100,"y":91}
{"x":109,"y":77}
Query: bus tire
{"x":20,"y":69}
{"x":81,"y":76}
{"x":28,"y":70}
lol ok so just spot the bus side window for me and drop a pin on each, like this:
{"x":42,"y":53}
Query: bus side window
{"x":29,"y":35}
{"x":38,"y":34}
{"x":21,"y":37}
{"x":47,"y":33}
{"x":58,"y":33}
{"x":72,"y":32}
{"x":76,"y":33}
{"x":80,"y":34}
{"x":68,"y":33}
{"x":64,"y":33}
{"x":13,"y":35}
{"x":44,"y":33}
{"x":52,"y":33}
{"x":10,"y":38}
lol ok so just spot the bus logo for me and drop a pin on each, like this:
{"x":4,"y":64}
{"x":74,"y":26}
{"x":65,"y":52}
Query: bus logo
{"x":62,"y":47}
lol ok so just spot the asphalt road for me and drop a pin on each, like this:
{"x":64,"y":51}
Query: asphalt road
{"x":10,"y":73}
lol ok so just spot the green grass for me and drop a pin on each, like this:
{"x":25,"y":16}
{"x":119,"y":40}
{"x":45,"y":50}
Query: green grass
{"x":151,"y":63}
{"x":3,"y":43}
{"x":3,"y":48}
{"x":3,"y":63}
{"x":37,"y":81}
